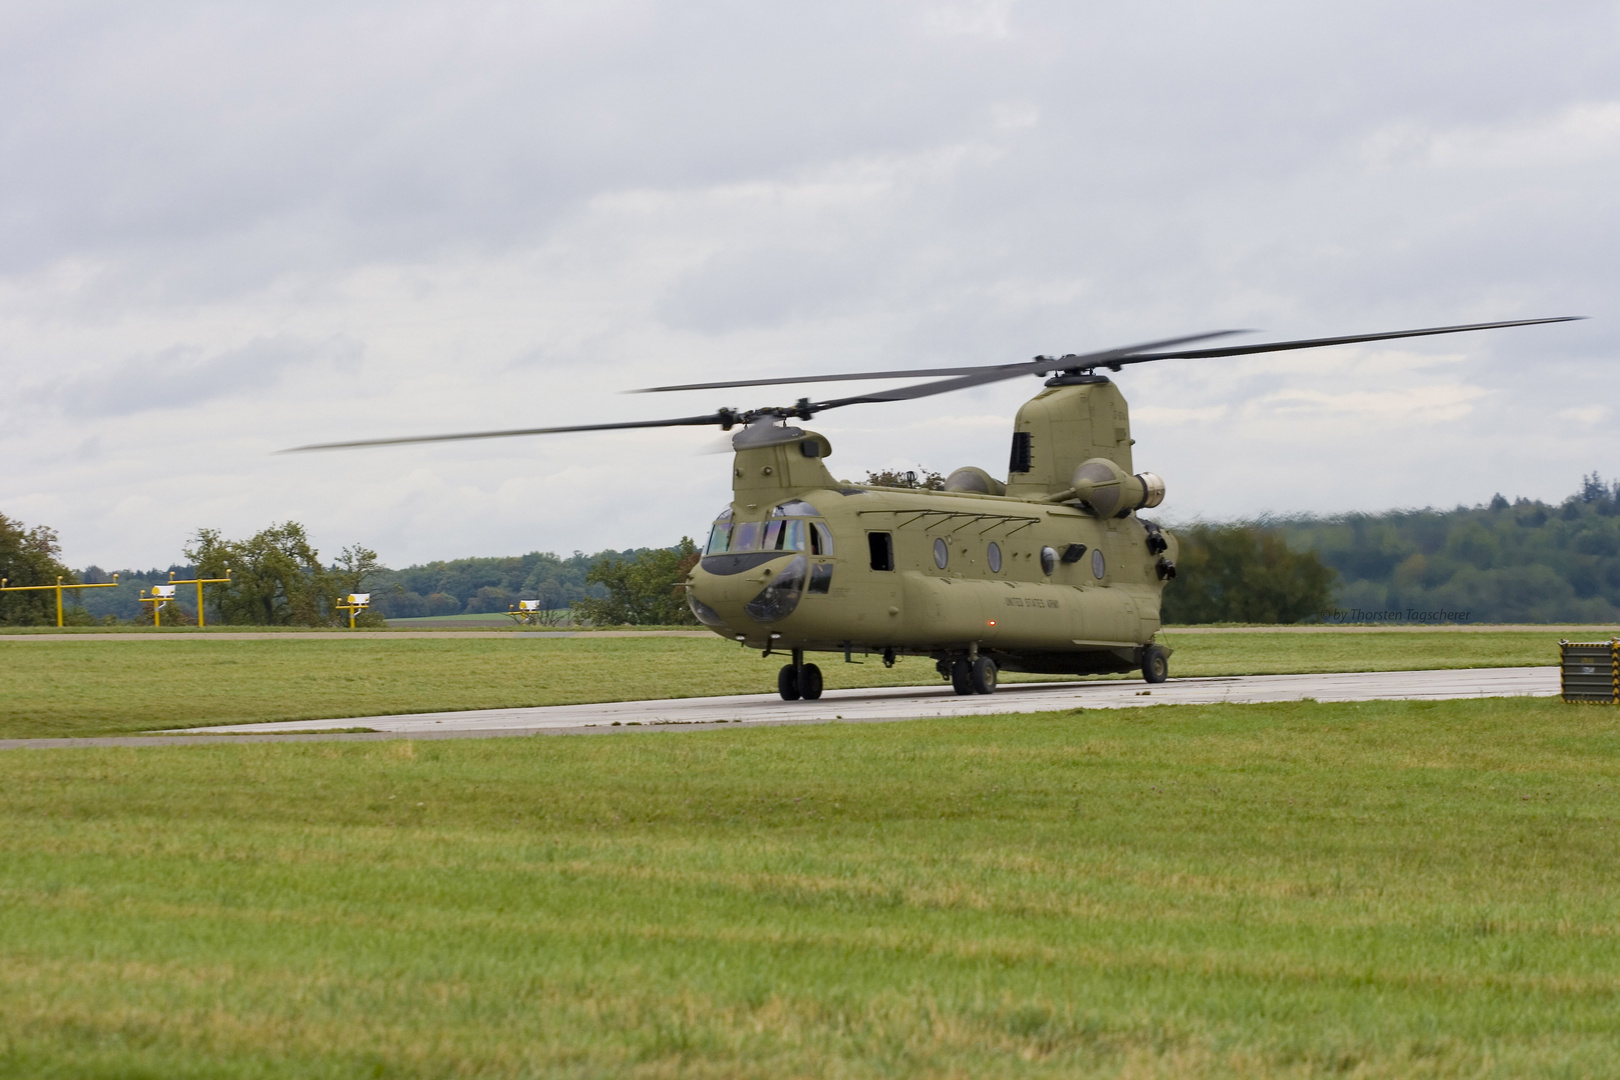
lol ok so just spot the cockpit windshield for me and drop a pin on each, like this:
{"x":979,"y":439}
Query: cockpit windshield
{"x":790,"y":527}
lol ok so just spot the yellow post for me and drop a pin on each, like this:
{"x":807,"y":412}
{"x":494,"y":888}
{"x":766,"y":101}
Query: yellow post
{"x":157,"y":599}
{"x":358,"y":602}
{"x":57,"y":588}
{"x":200,"y":582}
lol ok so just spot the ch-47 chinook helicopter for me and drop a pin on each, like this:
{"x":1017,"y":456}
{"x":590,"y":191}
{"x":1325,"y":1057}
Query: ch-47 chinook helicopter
{"x":1051,"y":571}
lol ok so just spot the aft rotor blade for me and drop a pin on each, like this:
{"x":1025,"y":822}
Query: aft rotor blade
{"x":1315,"y":343}
{"x":1001,"y":371}
{"x":685,"y":421}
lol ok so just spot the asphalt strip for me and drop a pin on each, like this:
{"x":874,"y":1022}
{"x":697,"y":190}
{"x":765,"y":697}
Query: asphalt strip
{"x":867,"y":706}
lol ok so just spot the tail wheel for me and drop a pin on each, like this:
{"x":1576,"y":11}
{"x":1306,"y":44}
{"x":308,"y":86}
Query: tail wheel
{"x":1155,"y":664}
{"x":809,"y":682}
{"x":787,"y":683}
{"x":961,"y":677}
{"x":982,"y":675}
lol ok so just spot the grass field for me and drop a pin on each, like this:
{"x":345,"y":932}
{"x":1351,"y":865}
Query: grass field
{"x":1303,"y":890}
{"x":64,"y":686}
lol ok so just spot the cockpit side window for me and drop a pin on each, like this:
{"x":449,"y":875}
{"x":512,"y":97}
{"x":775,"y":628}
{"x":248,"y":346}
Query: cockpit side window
{"x":720,"y":535}
{"x":783,"y":536}
{"x":821,"y":542}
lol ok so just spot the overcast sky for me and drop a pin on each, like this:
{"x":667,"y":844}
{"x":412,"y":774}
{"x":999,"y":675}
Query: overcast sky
{"x":229,"y":229}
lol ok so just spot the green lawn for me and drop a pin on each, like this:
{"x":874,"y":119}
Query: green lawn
{"x":67,"y":686}
{"x":1358,"y":890}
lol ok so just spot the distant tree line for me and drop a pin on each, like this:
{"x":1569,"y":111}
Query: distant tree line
{"x":1524,"y":561}
{"x":1520,"y":561}
{"x":279,"y":579}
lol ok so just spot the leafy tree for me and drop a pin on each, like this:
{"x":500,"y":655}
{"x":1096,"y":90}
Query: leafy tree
{"x":1244,"y":573}
{"x":30,"y":557}
{"x":644,"y":590}
{"x":919,"y":478}
{"x":277,"y":578}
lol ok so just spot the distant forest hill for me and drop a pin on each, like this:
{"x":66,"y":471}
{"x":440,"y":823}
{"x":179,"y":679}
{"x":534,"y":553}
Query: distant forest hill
{"x":1521,"y":561}
{"x":486,"y":585}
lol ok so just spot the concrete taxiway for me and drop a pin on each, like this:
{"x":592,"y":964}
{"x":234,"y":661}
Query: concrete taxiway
{"x":910,"y":702}
{"x":867,"y":706}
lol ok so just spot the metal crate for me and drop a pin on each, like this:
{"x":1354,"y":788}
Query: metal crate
{"x":1590,"y":672}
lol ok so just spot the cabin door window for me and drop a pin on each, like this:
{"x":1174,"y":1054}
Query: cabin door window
{"x":882,"y":545}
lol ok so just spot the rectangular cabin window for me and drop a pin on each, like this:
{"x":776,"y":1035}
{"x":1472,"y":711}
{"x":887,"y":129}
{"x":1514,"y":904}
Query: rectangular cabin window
{"x":882,"y":550}
{"x":820,"y":539}
{"x":821,"y":578}
{"x":1023,"y":452}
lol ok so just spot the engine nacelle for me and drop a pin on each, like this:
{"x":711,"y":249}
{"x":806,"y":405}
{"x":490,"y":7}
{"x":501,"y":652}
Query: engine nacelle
{"x":1109,"y":491}
{"x":975,"y":480}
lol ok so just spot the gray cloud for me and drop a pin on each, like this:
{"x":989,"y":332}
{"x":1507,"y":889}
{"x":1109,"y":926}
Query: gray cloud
{"x":181,"y":376}
{"x":505,"y":202}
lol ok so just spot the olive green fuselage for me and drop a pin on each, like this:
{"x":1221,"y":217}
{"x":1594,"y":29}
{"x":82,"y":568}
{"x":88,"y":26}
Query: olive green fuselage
{"x":939,"y":573}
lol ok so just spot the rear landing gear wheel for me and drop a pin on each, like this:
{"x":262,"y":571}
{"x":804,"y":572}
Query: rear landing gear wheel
{"x":982,"y":675}
{"x":809,"y":682}
{"x":1155,"y":664}
{"x":787,"y":683}
{"x":961,"y":677}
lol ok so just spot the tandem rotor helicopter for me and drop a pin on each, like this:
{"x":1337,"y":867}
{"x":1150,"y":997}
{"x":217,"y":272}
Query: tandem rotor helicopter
{"x":1050,"y":571}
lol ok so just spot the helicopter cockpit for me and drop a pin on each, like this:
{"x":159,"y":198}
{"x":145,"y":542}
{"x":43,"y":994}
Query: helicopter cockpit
{"x":792,"y":526}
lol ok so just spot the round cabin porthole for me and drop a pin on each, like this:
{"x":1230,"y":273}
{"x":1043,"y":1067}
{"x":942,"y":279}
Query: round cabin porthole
{"x":942,"y":554}
{"x":995,"y":557}
{"x":1098,"y":567}
{"x":1048,"y":560}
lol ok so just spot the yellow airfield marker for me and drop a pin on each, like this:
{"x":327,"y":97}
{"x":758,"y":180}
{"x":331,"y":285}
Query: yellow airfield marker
{"x":58,"y":587}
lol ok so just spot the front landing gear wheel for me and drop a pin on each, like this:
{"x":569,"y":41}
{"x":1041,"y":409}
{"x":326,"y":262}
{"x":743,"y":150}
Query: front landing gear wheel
{"x":809,"y":682}
{"x":1155,"y":664}
{"x":982,"y":675}
{"x":961,"y":677}
{"x":787,"y":683}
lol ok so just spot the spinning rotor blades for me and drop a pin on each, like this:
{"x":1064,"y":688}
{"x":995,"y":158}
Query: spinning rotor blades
{"x":954,"y":378}
{"x":986,"y":372}
{"x":685,"y":421}
{"x":1113,"y":359}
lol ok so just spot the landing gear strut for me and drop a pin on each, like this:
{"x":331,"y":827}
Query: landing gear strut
{"x":799,"y":679}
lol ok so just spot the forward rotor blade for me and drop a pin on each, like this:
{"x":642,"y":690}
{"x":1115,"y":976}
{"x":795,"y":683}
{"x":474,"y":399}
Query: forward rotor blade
{"x":1314,"y":343}
{"x":1003,"y":371}
{"x":685,"y":421}
{"x":913,"y":373}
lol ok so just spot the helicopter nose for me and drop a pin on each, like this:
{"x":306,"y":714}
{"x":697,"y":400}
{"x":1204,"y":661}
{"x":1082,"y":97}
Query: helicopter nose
{"x":733,"y":598}
{"x":781,"y":594}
